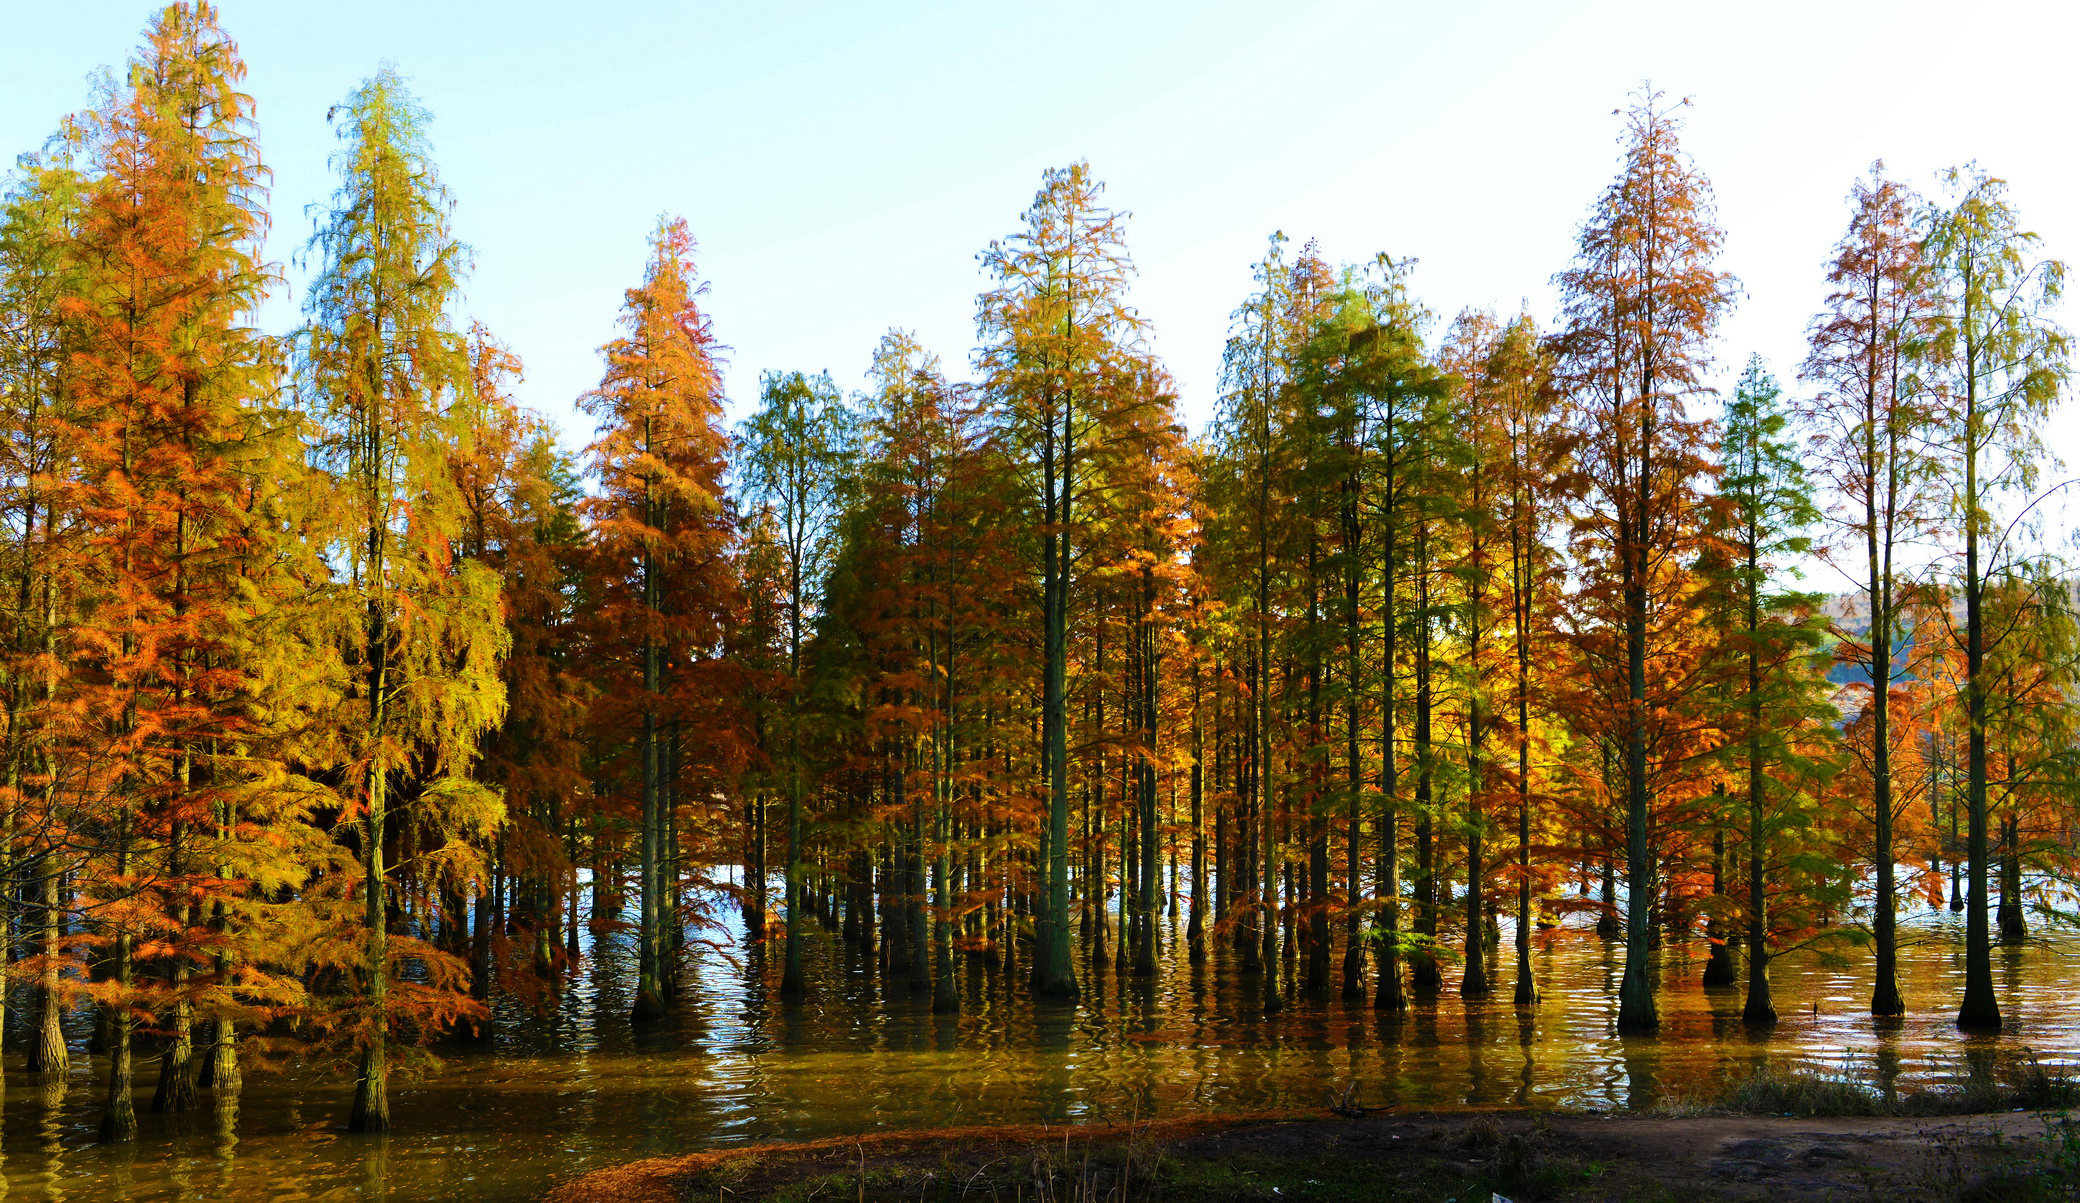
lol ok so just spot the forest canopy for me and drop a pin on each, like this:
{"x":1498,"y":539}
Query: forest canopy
{"x":340,"y":694}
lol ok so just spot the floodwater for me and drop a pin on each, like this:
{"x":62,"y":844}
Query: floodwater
{"x":577,"y":1089}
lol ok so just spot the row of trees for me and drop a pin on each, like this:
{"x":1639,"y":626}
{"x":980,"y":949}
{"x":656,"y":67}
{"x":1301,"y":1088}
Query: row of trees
{"x":338,"y":696}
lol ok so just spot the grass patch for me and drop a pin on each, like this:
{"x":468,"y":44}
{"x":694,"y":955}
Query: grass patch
{"x":1773,"y":1092}
{"x":2043,"y":1169}
{"x":2017,"y":1082}
{"x":2060,"y":1178}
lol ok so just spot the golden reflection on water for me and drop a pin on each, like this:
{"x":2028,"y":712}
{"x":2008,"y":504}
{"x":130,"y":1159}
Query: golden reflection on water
{"x":578,"y":1089}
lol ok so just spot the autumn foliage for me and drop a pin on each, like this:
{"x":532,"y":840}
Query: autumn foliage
{"x":342,"y":699}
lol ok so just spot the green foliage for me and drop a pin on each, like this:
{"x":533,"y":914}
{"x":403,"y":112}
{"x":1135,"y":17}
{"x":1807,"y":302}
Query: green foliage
{"x":387,"y":381}
{"x":305,"y":639}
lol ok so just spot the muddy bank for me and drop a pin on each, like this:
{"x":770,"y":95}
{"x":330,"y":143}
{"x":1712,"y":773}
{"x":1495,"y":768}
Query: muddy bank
{"x":1462,"y":1156}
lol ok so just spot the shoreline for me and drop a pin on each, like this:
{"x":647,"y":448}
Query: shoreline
{"x":1519,"y":1155}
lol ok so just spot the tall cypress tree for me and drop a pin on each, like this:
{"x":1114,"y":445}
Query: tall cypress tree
{"x":1057,"y":337}
{"x":795,"y":455}
{"x":163,"y":369}
{"x":662,"y":579}
{"x":420,"y":633}
{"x":38,"y":220}
{"x":1773,"y":639}
{"x":2002,"y":363}
{"x":1866,"y":426}
{"x":1639,"y":308}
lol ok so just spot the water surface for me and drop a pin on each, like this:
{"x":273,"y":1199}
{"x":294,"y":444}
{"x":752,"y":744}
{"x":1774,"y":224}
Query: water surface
{"x":577,"y":1088}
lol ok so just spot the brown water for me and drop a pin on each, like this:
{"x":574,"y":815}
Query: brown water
{"x":577,"y":1089}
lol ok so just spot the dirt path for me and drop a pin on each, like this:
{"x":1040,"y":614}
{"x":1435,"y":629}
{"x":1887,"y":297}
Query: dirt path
{"x":1458,"y":1155}
{"x":1698,"y":1157}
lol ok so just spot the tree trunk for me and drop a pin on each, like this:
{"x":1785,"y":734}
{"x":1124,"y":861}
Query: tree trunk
{"x":1424,"y":976}
{"x":1718,"y":967}
{"x":371,"y":1111}
{"x":650,"y":999}
{"x":1980,"y":1010}
{"x":944,"y":999}
{"x":1636,"y":1011}
{"x":1474,"y":982}
{"x":1147,"y":946}
{"x":915,"y":898}
{"x":792,"y":985}
{"x":2014,"y":928}
{"x":1195,"y":926}
{"x":1525,"y":993}
{"x":1390,"y":996}
{"x":119,"y":1114}
{"x":176,"y":1088}
{"x":48,"y":1055}
{"x":371,"y":1095}
{"x":1759,"y":1010}
{"x":1054,"y":971}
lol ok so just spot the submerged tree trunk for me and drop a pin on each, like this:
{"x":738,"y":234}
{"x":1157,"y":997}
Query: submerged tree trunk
{"x":119,"y":1113}
{"x":1636,"y":1010}
{"x":944,"y":999}
{"x":1474,"y":982}
{"x":1759,"y":1011}
{"x":1718,"y":967}
{"x":1525,"y":993}
{"x":1424,"y":975}
{"x":915,"y":910}
{"x":1885,"y":996}
{"x":48,"y":1055}
{"x":176,"y":1088}
{"x":1390,"y":996}
{"x":1353,"y":750}
{"x":371,"y":1112}
{"x":2014,"y":927}
{"x":1054,"y":971}
{"x":371,"y":1095}
{"x":792,"y":985}
{"x":1195,"y":925}
{"x":649,"y":1002}
{"x":1146,"y":946}
{"x":1980,"y":1010}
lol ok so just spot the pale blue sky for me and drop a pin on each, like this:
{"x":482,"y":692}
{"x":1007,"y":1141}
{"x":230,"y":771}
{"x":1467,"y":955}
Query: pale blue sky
{"x":842,"y":164}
